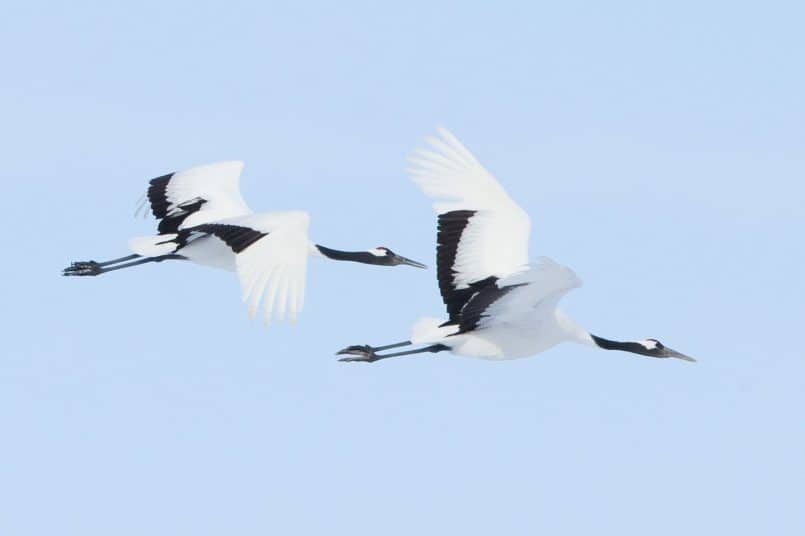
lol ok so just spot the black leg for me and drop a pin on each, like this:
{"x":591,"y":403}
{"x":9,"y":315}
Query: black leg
{"x":367,"y":354}
{"x":89,"y":268}
{"x":121,"y":259}
{"x":94,"y":267}
{"x":362,"y":347}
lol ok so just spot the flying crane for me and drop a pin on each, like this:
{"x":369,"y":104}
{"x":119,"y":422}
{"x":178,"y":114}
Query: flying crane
{"x":499,"y":306}
{"x":203,"y":219}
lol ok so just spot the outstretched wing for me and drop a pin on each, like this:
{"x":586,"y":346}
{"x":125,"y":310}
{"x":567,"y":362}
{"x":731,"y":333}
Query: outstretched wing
{"x":534,"y":291}
{"x":483,"y":234}
{"x":197,"y":195}
{"x":271,"y":252}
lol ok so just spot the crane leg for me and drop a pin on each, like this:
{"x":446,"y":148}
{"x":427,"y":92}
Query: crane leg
{"x":90,"y":268}
{"x":368,"y":354}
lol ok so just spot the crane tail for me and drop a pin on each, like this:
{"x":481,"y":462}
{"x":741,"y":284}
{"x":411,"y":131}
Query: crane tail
{"x":153,"y":246}
{"x":429,"y":330}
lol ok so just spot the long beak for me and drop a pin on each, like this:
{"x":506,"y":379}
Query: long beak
{"x":403,"y":260}
{"x":679,"y":355}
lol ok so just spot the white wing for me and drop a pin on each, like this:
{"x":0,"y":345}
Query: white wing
{"x":195,"y":196}
{"x":482,"y":232}
{"x":271,"y":252}
{"x":535,"y":291}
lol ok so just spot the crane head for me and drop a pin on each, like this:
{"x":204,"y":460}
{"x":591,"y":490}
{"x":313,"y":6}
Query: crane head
{"x":654,"y":348}
{"x":384,"y":256}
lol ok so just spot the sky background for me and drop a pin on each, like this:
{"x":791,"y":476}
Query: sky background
{"x":658,"y":147}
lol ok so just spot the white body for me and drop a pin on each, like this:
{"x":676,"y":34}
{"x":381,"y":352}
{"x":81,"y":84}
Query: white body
{"x":523,"y":323}
{"x":209,"y":251}
{"x":512,"y":341}
{"x":271,"y":270}
{"x":522,"y":320}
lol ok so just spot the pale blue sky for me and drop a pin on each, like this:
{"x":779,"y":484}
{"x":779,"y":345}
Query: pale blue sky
{"x":658,"y":147}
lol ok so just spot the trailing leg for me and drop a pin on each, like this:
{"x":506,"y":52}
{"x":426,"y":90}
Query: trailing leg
{"x":91,"y":268}
{"x":368,"y":354}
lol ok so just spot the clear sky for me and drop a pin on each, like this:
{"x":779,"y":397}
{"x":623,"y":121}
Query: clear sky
{"x":658,"y":147}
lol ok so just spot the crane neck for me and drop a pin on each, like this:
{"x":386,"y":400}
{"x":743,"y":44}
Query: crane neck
{"x":572,"y":331}
{"x":628,"y":346}
{"x":353,"y":256}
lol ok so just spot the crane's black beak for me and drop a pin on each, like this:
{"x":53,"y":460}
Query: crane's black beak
{"x":399,"y":259}
{"x":667,"y":352}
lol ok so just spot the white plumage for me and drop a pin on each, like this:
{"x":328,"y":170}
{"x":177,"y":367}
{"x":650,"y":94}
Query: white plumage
{"x":271,"y":271}
{"x":203,"y":218}
{"x":495,"y":241}
{"x":218,"y":184}
{"x":499,"y":305}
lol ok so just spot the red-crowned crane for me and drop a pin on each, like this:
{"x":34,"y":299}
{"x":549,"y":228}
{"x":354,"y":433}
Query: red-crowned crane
{"x":499,"y":306}
{"x":203,"y":219}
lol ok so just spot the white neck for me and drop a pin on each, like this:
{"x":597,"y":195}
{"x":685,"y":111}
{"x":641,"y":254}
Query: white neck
{"x":313,"y":251}
{"x":573,"y":331}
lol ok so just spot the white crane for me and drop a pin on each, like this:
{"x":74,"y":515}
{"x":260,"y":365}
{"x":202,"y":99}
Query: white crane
{"x":499,"y":306}
{"x":203,"y":218}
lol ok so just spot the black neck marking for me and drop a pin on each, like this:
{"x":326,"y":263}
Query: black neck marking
{"x":354,"y":256}
{"x":633,"y":347}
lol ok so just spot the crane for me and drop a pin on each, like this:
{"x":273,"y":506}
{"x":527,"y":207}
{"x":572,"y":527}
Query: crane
{"x":204,"y":219}
{"x":499,"y":305}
